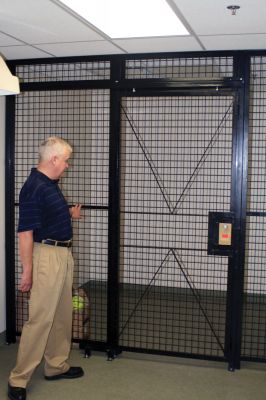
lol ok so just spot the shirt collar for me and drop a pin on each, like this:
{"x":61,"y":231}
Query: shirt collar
{"x":43,"y":176}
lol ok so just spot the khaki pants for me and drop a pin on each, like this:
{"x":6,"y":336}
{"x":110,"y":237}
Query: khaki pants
{"x":47,"y":333}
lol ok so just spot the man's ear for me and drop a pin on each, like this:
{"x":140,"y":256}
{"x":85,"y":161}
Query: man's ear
{"x":53,"y":160}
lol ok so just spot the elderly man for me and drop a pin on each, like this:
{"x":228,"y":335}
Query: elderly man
{"x":45,"y":237}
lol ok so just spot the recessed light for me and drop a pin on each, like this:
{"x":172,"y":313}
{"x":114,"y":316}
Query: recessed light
{"x":129,"y":18}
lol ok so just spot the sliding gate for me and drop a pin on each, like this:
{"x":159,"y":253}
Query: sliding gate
{"x":176,"y":166}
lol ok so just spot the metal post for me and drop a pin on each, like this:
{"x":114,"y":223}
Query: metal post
{"x":9,"y":222}
{"x":238,"y":205}
{"x":113,"y":216}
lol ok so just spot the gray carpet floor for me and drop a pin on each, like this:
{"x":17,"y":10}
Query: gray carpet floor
{"x":134,"y":376}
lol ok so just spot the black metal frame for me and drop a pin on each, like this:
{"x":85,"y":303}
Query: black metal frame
{"x":239,"y":194}
{"x":120,"y":86}
{"x":9,"y":222}
{"x":208,"y":89}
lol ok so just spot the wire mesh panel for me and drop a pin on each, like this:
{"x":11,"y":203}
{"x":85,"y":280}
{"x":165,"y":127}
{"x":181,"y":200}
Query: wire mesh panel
{"x":176,"y":154}
{"x":254,"y":315}
{"x":82,"y":118}
{"x":180,"y":68}
{"x":91,"y":70}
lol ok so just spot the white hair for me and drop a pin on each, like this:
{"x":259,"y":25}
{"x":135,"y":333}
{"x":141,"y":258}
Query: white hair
{"x":53,"y":146}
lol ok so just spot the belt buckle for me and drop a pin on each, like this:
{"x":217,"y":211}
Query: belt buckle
{"x":66,"y":243}
{"x":58,"y":243}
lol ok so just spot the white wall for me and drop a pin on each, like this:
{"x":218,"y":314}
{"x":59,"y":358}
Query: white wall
{"x":2,"y":214}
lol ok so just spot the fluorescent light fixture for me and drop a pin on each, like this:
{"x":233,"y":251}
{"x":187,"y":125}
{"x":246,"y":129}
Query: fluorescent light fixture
{"x":9,"y":83}
{"x":129,"y":18}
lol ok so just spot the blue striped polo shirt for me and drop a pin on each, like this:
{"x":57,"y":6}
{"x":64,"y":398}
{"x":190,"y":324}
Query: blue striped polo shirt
{"x":43,"y":209}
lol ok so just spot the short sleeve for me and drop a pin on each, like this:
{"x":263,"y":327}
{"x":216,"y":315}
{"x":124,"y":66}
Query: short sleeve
{"x":29,"y":211}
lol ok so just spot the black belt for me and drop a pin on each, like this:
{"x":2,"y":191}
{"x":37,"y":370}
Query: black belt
{"x":51,"y":242}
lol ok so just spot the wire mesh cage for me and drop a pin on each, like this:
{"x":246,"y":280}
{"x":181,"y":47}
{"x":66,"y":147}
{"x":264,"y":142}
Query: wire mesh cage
{"x":175,"y":165}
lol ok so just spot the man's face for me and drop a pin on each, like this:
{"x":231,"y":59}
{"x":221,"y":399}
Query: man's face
{"x":61,"y":164}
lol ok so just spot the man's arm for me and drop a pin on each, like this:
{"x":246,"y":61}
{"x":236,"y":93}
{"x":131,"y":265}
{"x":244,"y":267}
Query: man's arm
{"x":26,"y":255}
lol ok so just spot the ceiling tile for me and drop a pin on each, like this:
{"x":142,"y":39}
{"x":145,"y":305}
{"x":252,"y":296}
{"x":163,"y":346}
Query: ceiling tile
{"x":6,"y":40}
{"x":234,"y":42}
{"x":209,"y":17}
{"x":19,"y":52}
{"x":41,"y":22}
{"x":80,"y":48}
{"x":148,"y":45}
{"x":53,"y":31}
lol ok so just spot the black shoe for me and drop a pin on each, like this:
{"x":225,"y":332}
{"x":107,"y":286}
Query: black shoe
{"x":72,"y":373}
{"x":16,"y":393}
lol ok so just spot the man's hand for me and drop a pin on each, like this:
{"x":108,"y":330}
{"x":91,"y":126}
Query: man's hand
{"x":75,"y":211}
{"x":25,"y":281}
{"x":26,"y":251}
